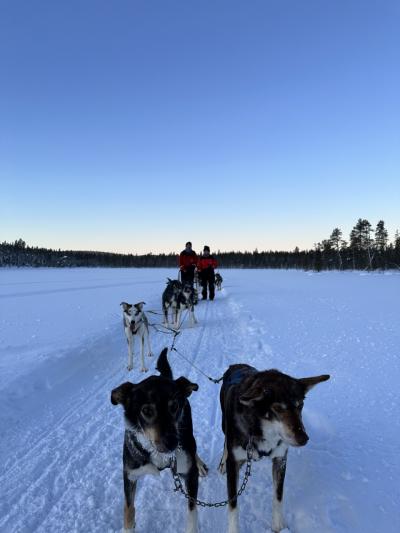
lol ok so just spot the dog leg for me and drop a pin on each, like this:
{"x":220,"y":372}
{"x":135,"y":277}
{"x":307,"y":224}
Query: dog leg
{"x":129,"y":504}
{"x":177,"y":318}
{"x":150,"y":353}
{"x":232,"y":474}
{"x":192,"y":485}
{"x":222,"y":463}
{"x":202,"y":467}
{"x":278,"y":476}
{"x":143,"y":369}
{"x":165,"y":309}
{"x":130,"y":353}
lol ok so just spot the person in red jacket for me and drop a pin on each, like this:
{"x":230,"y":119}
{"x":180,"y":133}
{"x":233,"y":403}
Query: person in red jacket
{"x":187,"y":263}
{"x":206,"y":265}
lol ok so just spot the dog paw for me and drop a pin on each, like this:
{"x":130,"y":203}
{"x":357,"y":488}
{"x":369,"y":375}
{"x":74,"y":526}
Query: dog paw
{"x":222,"y":468}
{"x":202,"y":467}
{"x":144,"y":369}
{"x":129,"y":368}
{"x":278,"y":524}
{"x":150,"y":354}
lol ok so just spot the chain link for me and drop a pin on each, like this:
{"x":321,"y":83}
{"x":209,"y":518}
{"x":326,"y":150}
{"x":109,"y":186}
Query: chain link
{"x":247,"y":474}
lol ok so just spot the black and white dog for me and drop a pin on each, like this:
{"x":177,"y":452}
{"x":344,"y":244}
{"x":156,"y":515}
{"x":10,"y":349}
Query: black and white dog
{"x":170,"y":299}
{"x":158,"y":426}
{"x":218,"y":281}
{"x":136,"y":325}
{"x":263,"y":410}
{"x":186,"y":301}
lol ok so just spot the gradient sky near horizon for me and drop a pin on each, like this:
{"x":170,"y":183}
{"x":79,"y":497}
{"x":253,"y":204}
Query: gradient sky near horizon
{"x":135,"y":126}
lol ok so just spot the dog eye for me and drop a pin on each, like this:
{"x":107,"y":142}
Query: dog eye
{"x":148,"y":411}
{"x":173,"y":406}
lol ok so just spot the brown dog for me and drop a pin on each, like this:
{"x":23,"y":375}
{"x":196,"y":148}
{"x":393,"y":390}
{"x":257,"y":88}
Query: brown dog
{"x":261,"y":410}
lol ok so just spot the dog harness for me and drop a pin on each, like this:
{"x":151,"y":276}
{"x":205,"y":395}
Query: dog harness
{"x":238,"y":376}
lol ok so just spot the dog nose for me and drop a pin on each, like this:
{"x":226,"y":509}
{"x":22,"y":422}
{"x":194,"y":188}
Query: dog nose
{"x":162,"y":448}
{"x":167,"y":444}
{"x":302,"y":438}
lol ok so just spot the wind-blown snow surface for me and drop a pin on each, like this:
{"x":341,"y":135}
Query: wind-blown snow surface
{"x":62,"y":350}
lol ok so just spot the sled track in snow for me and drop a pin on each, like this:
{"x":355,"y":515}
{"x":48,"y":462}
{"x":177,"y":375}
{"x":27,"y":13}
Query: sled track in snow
{"x":79,"y":445}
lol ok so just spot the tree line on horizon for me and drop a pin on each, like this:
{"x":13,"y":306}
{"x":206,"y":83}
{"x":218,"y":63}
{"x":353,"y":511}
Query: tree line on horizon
{"x":367,"y":249}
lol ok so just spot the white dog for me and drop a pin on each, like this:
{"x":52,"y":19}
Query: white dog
{"x":136,"y":324}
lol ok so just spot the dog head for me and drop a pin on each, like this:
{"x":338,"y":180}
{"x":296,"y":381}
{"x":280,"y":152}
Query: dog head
{"x":277,"y":399}
{"x":154,"y":408}
{"x":175,"y":285}
{"x":187,"y":289}
{"x":133,"y":314}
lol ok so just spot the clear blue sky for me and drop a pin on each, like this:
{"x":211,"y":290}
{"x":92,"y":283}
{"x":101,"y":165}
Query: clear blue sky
{"x":135,"y":126}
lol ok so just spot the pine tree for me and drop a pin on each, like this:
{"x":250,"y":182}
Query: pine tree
{"x":337,"y":244}
{"x":381,"y":237}
{"x":397,"y":241}
{"x":381,"y":241}
{"x":361,"y":241}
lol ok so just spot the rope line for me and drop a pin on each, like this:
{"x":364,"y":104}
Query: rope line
{"x":216,"y":381}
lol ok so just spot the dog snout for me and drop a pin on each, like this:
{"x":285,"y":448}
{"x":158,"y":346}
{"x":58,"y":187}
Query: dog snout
{"x":302,"y":438}
{"x":166,"y":445}
{"x":162,"y":448}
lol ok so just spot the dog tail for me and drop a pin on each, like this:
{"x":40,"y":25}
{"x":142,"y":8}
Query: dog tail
{"x":163,"y":364}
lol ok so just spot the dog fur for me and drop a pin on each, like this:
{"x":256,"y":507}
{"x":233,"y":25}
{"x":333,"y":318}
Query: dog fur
{"x":266,"y":407}
{"x":186,"y":301}
{"x":158,"y":424}
{"x":136,"y":325}
{"x":218,"y":281}
{"x":170,"y":299}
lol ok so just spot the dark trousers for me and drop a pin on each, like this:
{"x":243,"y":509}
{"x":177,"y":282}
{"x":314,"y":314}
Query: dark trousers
{"x":207,"y":282}
{"x":188,"y":275}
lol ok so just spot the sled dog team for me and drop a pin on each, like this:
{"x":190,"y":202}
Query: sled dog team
{"x":176,"y":298}
{"x":261,"y":415}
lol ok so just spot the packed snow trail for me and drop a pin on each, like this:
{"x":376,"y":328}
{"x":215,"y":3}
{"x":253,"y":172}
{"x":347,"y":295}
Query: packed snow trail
{"x":61,"y":446}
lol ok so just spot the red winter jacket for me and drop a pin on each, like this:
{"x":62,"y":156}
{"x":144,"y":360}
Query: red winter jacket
{"x":206,"y":262}
{"x":187,"y":259}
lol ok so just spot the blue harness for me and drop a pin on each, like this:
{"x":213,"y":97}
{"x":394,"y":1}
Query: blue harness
{"x":238,"y":375}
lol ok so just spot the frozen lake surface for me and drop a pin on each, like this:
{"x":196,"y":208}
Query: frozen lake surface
{"x":62,"y":351}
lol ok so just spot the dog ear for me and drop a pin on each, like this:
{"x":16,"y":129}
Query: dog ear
{"x":125,"y":306}
{"x":309,"y":383}
{"x":253,"y":394}
{"x":186,"y":386}
{"x":139,"y":305}
{"x":119,"y":395}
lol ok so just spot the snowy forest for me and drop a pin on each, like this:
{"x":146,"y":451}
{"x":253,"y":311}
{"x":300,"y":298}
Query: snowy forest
{"x":366,"y":249}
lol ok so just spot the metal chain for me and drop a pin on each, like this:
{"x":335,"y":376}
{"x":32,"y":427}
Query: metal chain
{"x":200,"y":503}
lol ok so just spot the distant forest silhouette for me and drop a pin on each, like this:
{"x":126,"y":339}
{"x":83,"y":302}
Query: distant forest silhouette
{"x":365,"y":250}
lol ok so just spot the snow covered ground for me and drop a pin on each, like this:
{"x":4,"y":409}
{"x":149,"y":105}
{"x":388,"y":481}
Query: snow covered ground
{"x":62,"y":350}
